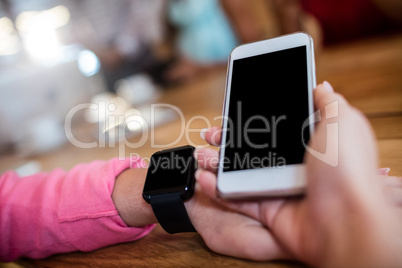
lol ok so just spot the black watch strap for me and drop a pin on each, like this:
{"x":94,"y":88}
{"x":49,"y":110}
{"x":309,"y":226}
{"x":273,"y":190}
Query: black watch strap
{"x":171,"y":213}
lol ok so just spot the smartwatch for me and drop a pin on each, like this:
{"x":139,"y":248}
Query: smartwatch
{"x":170,"y":181}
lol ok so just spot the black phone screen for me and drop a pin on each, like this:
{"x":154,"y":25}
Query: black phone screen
{"x":268,"y":107}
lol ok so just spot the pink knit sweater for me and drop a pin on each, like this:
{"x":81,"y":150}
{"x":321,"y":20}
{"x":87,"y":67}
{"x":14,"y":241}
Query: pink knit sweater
{"x":61,"y":211}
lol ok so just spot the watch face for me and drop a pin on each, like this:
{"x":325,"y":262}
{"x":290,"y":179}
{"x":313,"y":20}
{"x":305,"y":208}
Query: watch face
{"x":171,"y":171}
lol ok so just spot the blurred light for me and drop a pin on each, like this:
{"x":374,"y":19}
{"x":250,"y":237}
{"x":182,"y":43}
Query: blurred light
{"x":88,"y":63}
{"x":42,"y":44}
{"x":38,"y":30}
{"x":54,"y":18}
{"x":97,"y":112}
{"x":9,"y":43}
{"x":134,"y":120}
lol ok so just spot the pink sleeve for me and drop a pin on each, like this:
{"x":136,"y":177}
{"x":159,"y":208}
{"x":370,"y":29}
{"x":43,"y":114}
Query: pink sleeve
{"x":61,"y":211}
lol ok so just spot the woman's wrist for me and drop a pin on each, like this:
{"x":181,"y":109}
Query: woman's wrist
{"x":127,"y":198}
{"x":136,"y":212}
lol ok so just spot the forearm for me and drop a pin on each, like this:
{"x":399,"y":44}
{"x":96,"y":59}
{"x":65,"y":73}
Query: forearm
{"x":288,"y":14}
{"x":127,"y":197}
{"x":61,"y":211}
{"x":135,"y":211}
{"x":243,"y":21}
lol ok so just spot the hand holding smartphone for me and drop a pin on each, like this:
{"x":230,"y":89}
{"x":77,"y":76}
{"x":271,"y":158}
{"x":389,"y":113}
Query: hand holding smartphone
{"x":267,"y":118}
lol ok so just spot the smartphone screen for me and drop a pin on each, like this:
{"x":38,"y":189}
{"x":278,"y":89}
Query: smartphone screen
{"x":268,"y":106}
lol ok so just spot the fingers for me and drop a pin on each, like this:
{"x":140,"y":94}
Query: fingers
{"x":207,"y":182}
{"x":207,"y":159}
{"x":393,"y":195}
{"x":396,"y":196}
{"x":391,"y":181}
{"x":324,"y":96}
{"x":212,"y":136}
{"x":383,"y":171}
{"x":250,"y":241}
{"x":392,"y":187}
{"x":205,"y":175}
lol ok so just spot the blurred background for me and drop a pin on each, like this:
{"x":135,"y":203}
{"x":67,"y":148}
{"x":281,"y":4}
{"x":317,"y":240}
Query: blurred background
{"x":55,"y":55}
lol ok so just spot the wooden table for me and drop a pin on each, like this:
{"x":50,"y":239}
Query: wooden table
{"x":368,"y":73}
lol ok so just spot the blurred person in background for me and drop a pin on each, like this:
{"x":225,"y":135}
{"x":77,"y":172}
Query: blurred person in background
{"x":126,"y":35}
{"x":332,"y":21}
{"x":207,"y":31}
{"x":122,"y":33}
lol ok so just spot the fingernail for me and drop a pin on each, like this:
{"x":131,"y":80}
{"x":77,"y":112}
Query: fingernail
{"x":202,"y":133}
{"x":383,"y":171}
{"x":328,"y":87}
{"x":197,"y":174}
{"x":195,"y":153}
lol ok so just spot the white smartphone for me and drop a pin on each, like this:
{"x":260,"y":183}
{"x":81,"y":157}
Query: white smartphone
{"x":267,"y":118}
